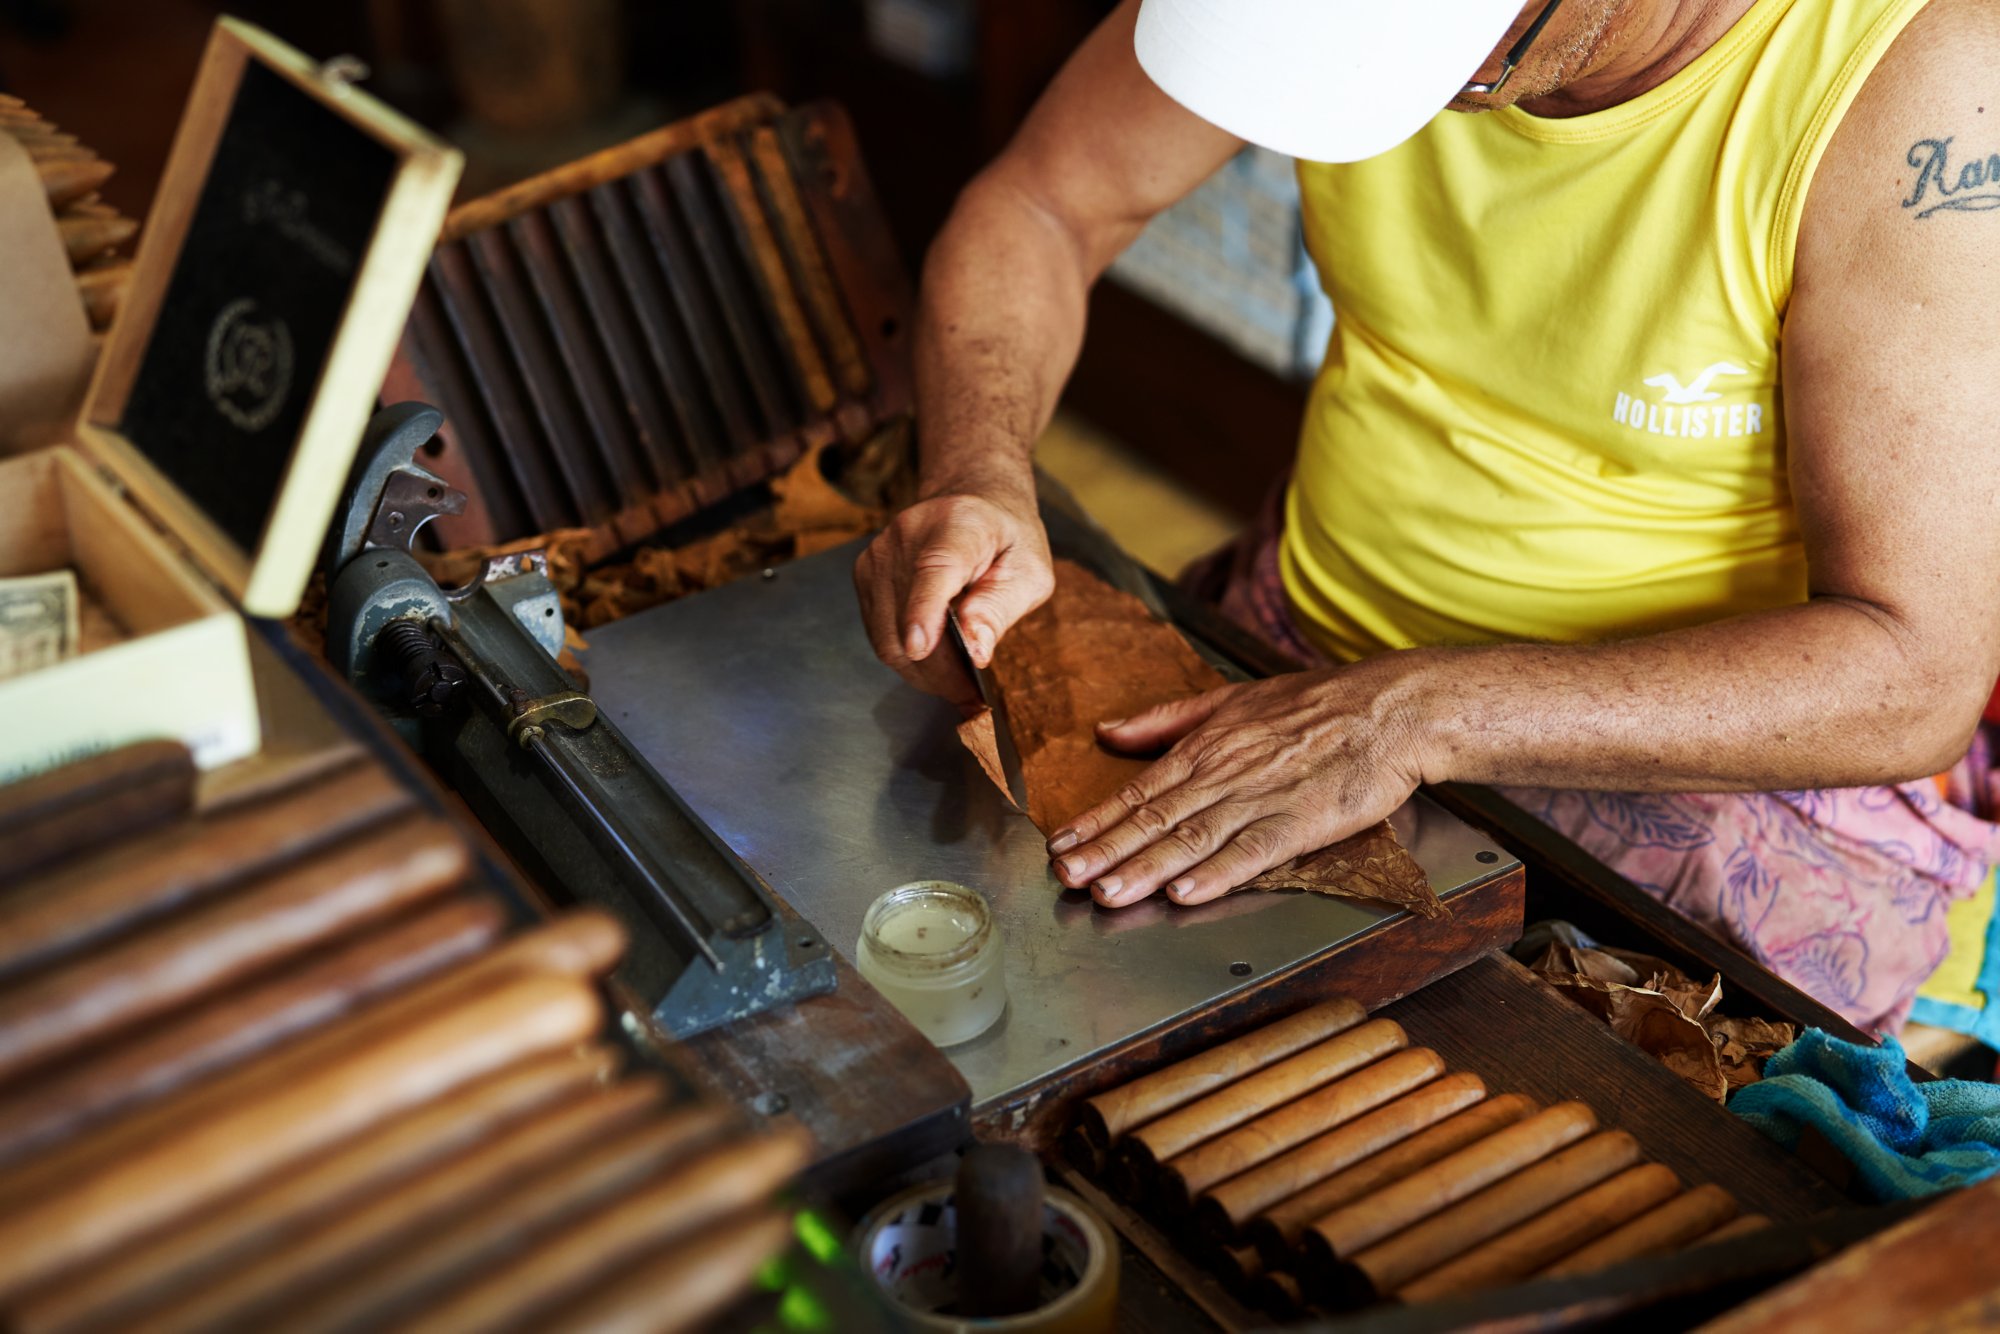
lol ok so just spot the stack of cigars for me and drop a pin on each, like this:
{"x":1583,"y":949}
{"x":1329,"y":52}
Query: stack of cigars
{"x":92,"y":230}
{"x":1324,"y":1162}
{"x":283,"y":1064}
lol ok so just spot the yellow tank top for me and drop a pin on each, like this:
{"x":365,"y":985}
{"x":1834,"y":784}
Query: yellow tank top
{"x":1550,"y":408}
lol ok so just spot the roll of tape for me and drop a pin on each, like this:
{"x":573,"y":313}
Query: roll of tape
{"x":908,"y":1246}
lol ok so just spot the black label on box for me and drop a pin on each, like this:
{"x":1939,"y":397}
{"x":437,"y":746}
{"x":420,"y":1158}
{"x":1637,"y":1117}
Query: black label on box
{"x":264,"y":275}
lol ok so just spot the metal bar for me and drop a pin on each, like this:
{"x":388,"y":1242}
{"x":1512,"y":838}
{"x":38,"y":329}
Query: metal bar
{"x":604,"y":825}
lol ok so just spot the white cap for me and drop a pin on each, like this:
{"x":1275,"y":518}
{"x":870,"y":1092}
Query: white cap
{"x":1325,"y":80}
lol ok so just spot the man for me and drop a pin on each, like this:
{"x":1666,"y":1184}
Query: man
{"x":1655,"y":432}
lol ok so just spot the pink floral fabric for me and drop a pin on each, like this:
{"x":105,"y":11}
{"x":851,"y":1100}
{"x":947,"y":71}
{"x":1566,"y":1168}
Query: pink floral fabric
{"x":1841,"y":892}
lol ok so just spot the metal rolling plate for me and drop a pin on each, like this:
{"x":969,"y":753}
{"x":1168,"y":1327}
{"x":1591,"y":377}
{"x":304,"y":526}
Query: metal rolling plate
{"x":762,"y":705}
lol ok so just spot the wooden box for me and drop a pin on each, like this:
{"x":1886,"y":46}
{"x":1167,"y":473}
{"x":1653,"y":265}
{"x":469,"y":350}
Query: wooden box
{"x":272,"y":281}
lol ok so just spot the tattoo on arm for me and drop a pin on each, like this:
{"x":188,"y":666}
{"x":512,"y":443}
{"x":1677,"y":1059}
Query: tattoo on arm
{"x":1973,"y":187}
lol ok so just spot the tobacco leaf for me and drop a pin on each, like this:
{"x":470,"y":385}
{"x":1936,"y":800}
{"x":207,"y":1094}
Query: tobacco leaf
{"x":976,"y":733}
{"x":1664,"y":1011}
{"x":808,"y":514}
{"x":1092,"y":652}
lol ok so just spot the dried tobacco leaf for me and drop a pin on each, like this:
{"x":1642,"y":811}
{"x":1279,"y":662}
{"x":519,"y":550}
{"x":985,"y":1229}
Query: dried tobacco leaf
{"x":1093,"y":652}
{"x":1662,"y":1011}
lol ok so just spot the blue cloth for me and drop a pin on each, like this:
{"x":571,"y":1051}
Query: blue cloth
{"x":1905,"y":1139}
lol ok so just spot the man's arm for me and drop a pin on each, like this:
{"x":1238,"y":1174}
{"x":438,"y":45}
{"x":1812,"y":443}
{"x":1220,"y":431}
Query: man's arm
{"x":1000,"y":321}
{"x":1891,"y":357}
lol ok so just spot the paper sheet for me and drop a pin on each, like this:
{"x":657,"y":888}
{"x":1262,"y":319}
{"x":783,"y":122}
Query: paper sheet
{"x":1092,"y":653}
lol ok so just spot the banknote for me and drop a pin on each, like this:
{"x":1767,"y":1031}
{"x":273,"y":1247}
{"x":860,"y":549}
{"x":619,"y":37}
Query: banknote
{"x":37,"y":621}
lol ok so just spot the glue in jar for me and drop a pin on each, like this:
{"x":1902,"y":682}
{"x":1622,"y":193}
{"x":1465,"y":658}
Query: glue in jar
{"x":933,"y":948}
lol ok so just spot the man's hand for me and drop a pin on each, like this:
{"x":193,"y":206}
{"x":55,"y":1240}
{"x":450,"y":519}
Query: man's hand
{"x":1257,"y":774}
{"x":989,"y":559}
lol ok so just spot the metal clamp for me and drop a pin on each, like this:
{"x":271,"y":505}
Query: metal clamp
{"x":573,"y":709}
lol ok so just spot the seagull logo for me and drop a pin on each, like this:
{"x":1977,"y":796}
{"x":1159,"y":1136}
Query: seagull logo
{"x":1698,"y":392}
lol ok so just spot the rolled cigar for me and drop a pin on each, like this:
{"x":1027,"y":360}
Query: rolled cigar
{"x":102,"y":288}
{"x":1106,"y":1117}
{"x":403,"y":1216}
{"x":1177,"y":1132}
{"x":283,"y":1208}
{"x":40,"y":132}
{"x":1514,"y":1255}
{"x":110,"y":891}
{"x":1279,"y":1294}
{"x":479,"y":1239}
{"x":67,"y":181}
{"x":86,"y":237}
{"x":720,"y":1182}
{"x":1740,"y":1227}
{"x":204,"y":950}
{"x":1421,"y":1247}
{"x":1082,"y":1153}
{"x":1655,"y":1232}
{"x":195,"y":1164}
{"x":680,"y":1288}
{"x":234,"y":1027}
{"x":53,"y":148}
{"x":115,"y":795}
{"x":1277,"y":1231}
{"x":1325,"y":1108}
{"x":1347,"y":1231}
{"x":581,"y":943}
{"x":1240,"y":1266}
{"x":1226,"y":1209}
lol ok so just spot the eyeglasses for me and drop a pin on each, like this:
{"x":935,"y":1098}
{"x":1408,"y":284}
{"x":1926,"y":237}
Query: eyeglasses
{"x":1515,"y":54}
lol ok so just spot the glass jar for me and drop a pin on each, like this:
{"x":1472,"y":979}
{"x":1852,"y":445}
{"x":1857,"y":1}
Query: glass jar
{"x":933,"y":948}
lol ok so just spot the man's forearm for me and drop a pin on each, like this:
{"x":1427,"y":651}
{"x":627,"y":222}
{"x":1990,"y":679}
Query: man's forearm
{"x":998,"y":329}
{"x":1832,"y":693}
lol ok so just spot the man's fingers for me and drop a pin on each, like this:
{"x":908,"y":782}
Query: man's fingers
{"x":1010,"y":589}
{"x":941,"y":575}
{"x":1144,"y":824}
{"x":1168,"y":773}
{"x":1163,"y":724}
{"x":875,"y":576}
{"x":1160,"y":860}
{"x":1255,"y":848}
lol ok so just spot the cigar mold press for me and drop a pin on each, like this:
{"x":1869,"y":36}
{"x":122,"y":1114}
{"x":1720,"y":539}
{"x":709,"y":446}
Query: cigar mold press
{"x":470,"y":677}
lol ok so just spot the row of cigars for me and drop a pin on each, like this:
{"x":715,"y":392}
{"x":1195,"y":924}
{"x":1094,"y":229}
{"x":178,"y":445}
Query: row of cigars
{"x":288,"y":1063}
{"x":1323,"y":1161}
{"x":71,"y":173}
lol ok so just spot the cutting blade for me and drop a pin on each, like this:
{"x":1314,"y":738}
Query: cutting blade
{"x":989,"y":695}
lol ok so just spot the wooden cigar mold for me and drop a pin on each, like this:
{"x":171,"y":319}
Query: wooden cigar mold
{"x":287,"y":1064}
{"x":1326,"y":1162}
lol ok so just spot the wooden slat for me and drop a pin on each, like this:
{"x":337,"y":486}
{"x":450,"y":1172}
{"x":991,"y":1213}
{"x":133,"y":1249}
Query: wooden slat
{"x":590,"y":172}
{"x":802,"y":251}
{"x":536,"y":365}
{"x":739,"y":200}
